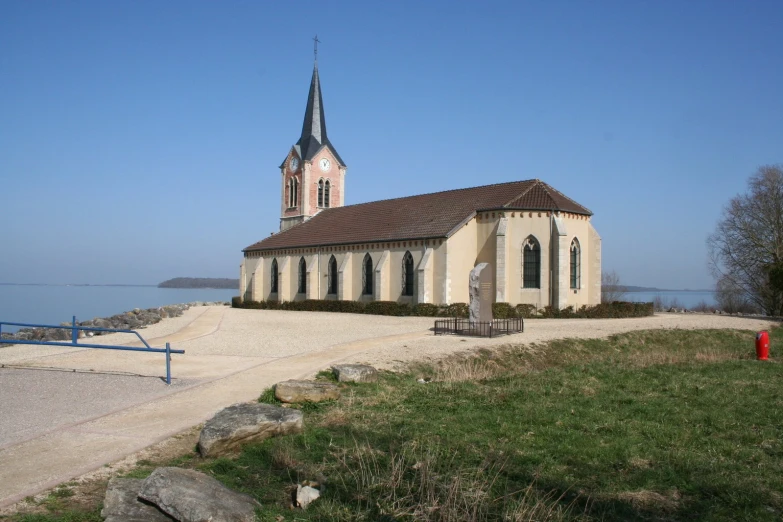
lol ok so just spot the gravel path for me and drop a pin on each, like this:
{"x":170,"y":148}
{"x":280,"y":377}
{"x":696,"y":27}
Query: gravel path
{"x":394,"y":355}
{"x":38,"y":401}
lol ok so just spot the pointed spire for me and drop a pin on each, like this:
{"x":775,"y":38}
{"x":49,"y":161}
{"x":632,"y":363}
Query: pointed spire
{"x":314,"y":126}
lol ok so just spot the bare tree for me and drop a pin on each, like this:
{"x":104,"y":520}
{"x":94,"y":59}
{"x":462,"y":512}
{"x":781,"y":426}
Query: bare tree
{"x":611,"y":289}
{"x":748,"y":241}
{"x":732,"y":299}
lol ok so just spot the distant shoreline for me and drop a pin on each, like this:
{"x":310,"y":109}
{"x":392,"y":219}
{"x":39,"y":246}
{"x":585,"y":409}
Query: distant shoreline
{"x":653,"y":290}
{"x":72,"y":284}
{"x":216,"y":283}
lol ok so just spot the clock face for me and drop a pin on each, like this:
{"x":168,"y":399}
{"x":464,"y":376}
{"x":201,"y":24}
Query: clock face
{"x":325,"y":165}
{"x":294,"y":164}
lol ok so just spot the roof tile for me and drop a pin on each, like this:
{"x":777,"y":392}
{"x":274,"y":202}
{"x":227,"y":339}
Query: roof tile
{"x":416,"y":217}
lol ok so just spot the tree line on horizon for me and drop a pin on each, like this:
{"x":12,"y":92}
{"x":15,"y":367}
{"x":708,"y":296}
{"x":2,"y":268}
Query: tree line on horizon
{"x":200,"y":282}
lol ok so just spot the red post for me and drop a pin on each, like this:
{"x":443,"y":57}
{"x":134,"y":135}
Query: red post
{"x":762,"y":345}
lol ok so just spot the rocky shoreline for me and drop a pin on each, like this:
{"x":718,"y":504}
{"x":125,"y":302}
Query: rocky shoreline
{"x":132,"y":320}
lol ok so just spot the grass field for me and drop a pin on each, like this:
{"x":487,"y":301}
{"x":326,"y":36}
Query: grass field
{"x":655,"y":425}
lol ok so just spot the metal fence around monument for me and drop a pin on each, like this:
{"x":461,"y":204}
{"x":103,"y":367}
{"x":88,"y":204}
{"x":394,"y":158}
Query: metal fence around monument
{"x":457,"y":326}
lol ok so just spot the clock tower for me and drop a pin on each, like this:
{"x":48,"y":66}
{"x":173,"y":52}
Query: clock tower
{"x":313,"y":173}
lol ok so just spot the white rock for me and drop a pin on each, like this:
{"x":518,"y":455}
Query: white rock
{"x":305,"y":495}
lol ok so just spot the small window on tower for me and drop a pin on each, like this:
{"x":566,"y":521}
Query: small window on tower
{"x":327,"y":187}
{"x":296,"y":193}
{"x":321,"y":193}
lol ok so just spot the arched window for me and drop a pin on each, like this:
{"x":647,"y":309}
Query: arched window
{"x":327,"y":187}
{"x":531,"y":263}
{"x":576,"y":264}
{"x":293,"y":192}
{"x":367,"y":275}
{"x":321,"y":193}
{"x":296,"y":193}
{"x":332,"y":276}
{"x":302,"y":276}
{"x":407,"y":274}
{"x":273,"y":275}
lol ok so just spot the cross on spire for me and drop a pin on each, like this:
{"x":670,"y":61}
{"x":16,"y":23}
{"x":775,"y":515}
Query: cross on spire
{"x":316,"y":41}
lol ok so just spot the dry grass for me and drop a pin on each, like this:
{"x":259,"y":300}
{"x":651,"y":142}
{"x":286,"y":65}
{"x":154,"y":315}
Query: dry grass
{"x":651,"y":500}
{"x":427,"y":484}
{"x":639,"y":350}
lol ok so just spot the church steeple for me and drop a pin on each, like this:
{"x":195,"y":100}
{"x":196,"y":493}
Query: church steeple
{"x":314,"y":135}
{"x":314,"y":126}
{"x":313,"y":173}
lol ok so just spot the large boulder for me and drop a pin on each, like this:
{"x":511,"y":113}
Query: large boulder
{"x":306,"y":391}
{"x":355,"y":373}
{"x":190,"y":496}
{"x":122,"y":504}
{"x":239,"y":424}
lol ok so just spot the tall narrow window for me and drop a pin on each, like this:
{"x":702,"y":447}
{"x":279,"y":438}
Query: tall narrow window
{"x":367,"y":275}
{"x":321,"y":193}
{"x":296,"y":193}
{"x":273,"y":275}
{"x":531,"y":264}
{"x":407,"y":274}
{"x":576,"y":264}
{"x":327,"y":189}
{"x":302,"y":276}
{"x":332,"y":276}
{"x":290,"y":192}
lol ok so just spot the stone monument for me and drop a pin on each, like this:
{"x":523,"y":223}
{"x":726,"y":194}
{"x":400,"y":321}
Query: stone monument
{"x":480,"y":289}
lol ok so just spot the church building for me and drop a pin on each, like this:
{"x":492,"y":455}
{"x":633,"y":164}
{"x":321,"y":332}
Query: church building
{"x":540,"y":244}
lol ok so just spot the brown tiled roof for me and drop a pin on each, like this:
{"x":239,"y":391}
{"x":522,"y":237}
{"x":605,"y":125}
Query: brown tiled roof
{"x":416,"y":217}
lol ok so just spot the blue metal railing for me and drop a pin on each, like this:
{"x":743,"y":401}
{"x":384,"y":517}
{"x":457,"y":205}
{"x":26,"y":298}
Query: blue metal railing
{"x":74,"y":328}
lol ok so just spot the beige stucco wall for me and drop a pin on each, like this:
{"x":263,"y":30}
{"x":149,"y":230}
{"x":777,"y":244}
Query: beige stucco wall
{"x":444,"y":278}
{"x":580,"y":228}
{"x":349,"y":263}
{"x":594,"y":269}
{"x":520,"y":226}
{"x":440,"y":288}
{"x":462,"y":249}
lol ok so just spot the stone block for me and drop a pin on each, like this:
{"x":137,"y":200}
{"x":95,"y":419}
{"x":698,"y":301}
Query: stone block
{"x":355,"y":373}
{"x":306,"y":391}
{"x":190,"y":496}
{"x":122,"y":504}
{"x":239,"y":424}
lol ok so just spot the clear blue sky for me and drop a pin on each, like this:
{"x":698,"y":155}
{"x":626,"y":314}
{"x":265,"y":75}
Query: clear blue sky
{"x":141,"y":140}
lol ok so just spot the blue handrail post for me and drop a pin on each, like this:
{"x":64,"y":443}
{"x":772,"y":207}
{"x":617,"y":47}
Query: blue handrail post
{"x":168,"y":363}
{"x":74,"y":332}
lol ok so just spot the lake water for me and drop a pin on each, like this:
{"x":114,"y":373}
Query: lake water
{"x":58,"y":304}
{"x":683,"y":299}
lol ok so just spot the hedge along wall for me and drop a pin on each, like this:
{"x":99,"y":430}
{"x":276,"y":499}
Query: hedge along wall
{"x":617,"y":309}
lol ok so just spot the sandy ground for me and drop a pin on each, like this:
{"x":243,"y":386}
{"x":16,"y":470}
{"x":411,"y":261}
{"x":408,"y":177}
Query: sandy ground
{"x":247,"y":335}
{"x":395,"y":354}
{"x":55,"y":426}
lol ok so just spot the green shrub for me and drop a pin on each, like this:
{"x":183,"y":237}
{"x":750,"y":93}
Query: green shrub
{"x":236,"y":302}
{"x":503,"y":311}
{"x":387,"y":308}
{"x":425,"y":310}
{"x":614,"y":310}
{"x":255,"y":305}
{"x":457,"y":310}
{"x":526,"y":311}
{"x":617,"y":309}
